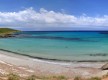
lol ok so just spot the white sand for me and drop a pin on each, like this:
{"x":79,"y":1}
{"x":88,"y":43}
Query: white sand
{"x":41,"y":67}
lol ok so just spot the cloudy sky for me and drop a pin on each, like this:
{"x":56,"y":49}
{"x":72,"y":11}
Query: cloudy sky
{"x":54,"y":14}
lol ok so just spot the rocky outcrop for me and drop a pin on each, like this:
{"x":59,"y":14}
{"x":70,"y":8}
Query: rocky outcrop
{"x":7,"y":32}
{"x":105,"y":67}
{"x":6,"y":36}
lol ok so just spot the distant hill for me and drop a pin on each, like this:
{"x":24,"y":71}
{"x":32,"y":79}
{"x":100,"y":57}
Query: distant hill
{"x":7,"y":32}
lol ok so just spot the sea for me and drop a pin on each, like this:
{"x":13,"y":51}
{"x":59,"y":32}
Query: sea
{"x":79,"y":46}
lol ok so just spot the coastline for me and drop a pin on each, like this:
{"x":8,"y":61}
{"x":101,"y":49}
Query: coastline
{"x":48,"y":67}
{"x":49,"y":59}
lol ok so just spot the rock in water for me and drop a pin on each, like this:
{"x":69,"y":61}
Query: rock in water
{"x":105,"y":67}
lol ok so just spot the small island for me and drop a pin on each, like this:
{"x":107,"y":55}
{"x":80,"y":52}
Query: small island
{"x":7,"y":32}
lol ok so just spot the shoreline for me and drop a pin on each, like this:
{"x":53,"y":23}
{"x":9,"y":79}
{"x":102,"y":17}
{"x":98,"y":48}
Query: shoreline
{"x":47,"y":67}
{"x":51,"y":60}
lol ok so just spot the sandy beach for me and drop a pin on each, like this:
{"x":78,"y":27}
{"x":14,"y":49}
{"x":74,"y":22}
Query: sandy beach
{"x":25,"y":66}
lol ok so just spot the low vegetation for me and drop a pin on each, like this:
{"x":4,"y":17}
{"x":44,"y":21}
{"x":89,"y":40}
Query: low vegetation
{"x":13,"y":77}
{"x":95,"y":78}
{"x":7,"y":32}
{"x":78,"y":78}
{"x":33,"y":77}
{"x":92,"y":78}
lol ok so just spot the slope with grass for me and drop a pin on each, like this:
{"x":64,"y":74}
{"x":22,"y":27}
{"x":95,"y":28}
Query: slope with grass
{"x":7,"y":32}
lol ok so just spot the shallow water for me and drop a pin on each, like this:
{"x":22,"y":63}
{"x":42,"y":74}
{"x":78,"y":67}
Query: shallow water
{"x":72,"y":46}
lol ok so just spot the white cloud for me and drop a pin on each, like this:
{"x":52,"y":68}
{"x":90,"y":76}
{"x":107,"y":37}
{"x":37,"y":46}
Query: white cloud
{"x":30,"y":18}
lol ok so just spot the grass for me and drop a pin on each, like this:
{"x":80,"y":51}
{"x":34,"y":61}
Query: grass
{"x":7,"y":31}
{"x":59,"y":78}
{"x":95,"y":78}
{"x":77,"y":78}
{"x":13,"y":77}
{"x":33,"y":77}
{"x":53,"y":78}
{"x":92,"y":78}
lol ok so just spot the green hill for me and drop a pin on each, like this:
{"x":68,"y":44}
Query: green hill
{"x":7,"y":32}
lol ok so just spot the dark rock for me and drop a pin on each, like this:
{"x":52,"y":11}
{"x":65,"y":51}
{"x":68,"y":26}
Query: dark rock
{"x":105,"y":67}
{"x":6,"y":36}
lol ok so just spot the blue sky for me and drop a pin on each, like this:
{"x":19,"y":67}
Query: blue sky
{"x":75,"y":7}
{"x":54,"y":14}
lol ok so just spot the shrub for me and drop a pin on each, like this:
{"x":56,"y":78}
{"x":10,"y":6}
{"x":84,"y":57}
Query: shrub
{"x":95,"y":78}
{"x":77,"y":78}
{"x":54,"y":78}
{"x":13,"y":77}
{"x":32,"y":77}
{"x":62,"y":78}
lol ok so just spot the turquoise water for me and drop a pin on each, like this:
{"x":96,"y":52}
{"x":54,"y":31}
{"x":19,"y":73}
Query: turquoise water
{"x":72,"y":46}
